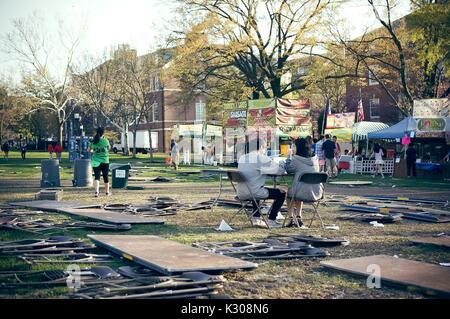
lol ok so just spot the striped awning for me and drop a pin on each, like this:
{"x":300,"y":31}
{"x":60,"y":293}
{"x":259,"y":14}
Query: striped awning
{"x":361,"y":129}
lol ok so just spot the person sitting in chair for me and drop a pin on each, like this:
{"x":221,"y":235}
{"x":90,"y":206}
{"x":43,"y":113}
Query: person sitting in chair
{"x":302,"y":163}
{"x":254,"y":166}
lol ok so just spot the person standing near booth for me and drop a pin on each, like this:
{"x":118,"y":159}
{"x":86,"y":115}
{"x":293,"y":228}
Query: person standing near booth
{"x":100,"y":160}
{"x":378,"y":155}
{"x":329,"y":148}
{"x":411,"y":156}
{"x":319,"y":153}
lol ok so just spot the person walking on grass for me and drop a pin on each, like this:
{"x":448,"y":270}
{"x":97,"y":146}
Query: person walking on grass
{"x":319,"y":153}
{"x":50,"y":150}
{"x":58,"y":150}
{"x":175,"y":154}
{"x":5,"y":149}
{"x":100,"y":160}
{"x":329,"y":148}
{"x":23,"y":149}
{"x":378,"y":154}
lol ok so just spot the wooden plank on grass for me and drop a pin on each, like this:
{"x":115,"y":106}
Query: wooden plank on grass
{"x":51,"y":205}
{"x":167,"y":256}
{"x":109,"y":216}
{"x":398,"y":271}
{"x":443,"y":241}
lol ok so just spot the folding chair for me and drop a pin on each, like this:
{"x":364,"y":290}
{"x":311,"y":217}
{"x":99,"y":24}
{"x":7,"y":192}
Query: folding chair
{"x":237,"y":177}
{"x":314,"y":179}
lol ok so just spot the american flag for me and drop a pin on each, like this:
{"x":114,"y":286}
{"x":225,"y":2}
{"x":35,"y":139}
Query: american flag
{"x":360,"y":111}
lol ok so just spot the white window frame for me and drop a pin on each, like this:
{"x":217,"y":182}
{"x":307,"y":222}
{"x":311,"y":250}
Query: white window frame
{"x":374,"y":101}
{"x":154,"y":83}
{"x":200,"y":111}
{"x":372,"y":79}
{"x":155,"y":107}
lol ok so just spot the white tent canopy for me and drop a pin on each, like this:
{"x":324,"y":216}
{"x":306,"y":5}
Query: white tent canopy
{"x":361,"y":129}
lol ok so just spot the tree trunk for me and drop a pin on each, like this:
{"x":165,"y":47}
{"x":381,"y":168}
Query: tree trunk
{"x":60,"y":131}
{"x":134,"y":141}
{"x":125,"y":143}
{"x":275,"y":85}
{"x":151,"y":144}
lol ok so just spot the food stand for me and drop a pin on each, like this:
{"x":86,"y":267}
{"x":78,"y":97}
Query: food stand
{"x":277,"y":121}
{"x":428,"y":130}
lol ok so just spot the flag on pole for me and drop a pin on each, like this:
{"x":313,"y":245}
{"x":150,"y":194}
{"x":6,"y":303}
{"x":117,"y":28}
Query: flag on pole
{"x":327,"y":111}
{"x":360,"y":111}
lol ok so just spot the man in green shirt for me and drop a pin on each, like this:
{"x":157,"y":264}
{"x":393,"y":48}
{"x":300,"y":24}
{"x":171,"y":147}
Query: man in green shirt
{"x":100,"y":160}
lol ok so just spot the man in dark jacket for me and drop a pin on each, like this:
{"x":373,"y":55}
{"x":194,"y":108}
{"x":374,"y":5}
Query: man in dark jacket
{"x":5,"y":149}
{"x":329,"y":148}
{"x":411,"y":156}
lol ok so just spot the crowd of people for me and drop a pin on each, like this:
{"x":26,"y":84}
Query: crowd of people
{"x":328,"y":152}
{"x":56,"y":149}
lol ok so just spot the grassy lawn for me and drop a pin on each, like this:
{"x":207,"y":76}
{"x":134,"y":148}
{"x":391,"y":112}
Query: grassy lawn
{"x":30,"y":168}
{"x":301,"y":278}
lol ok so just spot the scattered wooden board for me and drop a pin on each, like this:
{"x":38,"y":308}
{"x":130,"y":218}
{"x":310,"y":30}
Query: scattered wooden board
{"x":407,"y":199}
{"x":109,"y":216}
{"x":51,"y":205}
{"x":358,"y":183}
{"x":167,"y":256}
{"x":399,"y":271}
{"x":442,"y":241}
{"x":427,"y":217}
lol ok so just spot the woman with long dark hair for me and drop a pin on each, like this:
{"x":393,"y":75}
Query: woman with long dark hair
{"x":100,"y":160}
{"x":300,"y":163}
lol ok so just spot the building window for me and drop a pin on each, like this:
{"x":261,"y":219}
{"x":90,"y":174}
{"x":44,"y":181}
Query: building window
{"x":154,"y":83}
{"x":374,"y":105}
{"x":200,"y":111}
{"x":155,"y":112}
{"x":372,"y":79}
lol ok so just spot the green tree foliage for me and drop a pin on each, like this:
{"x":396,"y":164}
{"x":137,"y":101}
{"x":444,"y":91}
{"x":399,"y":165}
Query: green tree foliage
{"x":429,"y":29}
{"x":246,"y":46}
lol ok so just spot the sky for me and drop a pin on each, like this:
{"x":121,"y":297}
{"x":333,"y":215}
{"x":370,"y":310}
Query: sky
{"x":139,"y":23}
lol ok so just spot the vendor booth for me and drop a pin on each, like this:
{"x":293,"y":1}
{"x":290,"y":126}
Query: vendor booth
{"x":277,"y":121}
{"x":352,"y":136}
{"x":426,"y":134}
{"x":393,"y":136}
{"x":361,"y":164}
{"x":192,"y":137}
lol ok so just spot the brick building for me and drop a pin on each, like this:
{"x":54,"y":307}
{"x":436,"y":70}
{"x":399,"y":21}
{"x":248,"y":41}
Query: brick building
{"x":168,"y":107}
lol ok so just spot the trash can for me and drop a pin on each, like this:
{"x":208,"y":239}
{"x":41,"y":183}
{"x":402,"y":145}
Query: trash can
{"x":82,"y":173}
{"x":50,"y":173}
{"x":120,"y":173}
